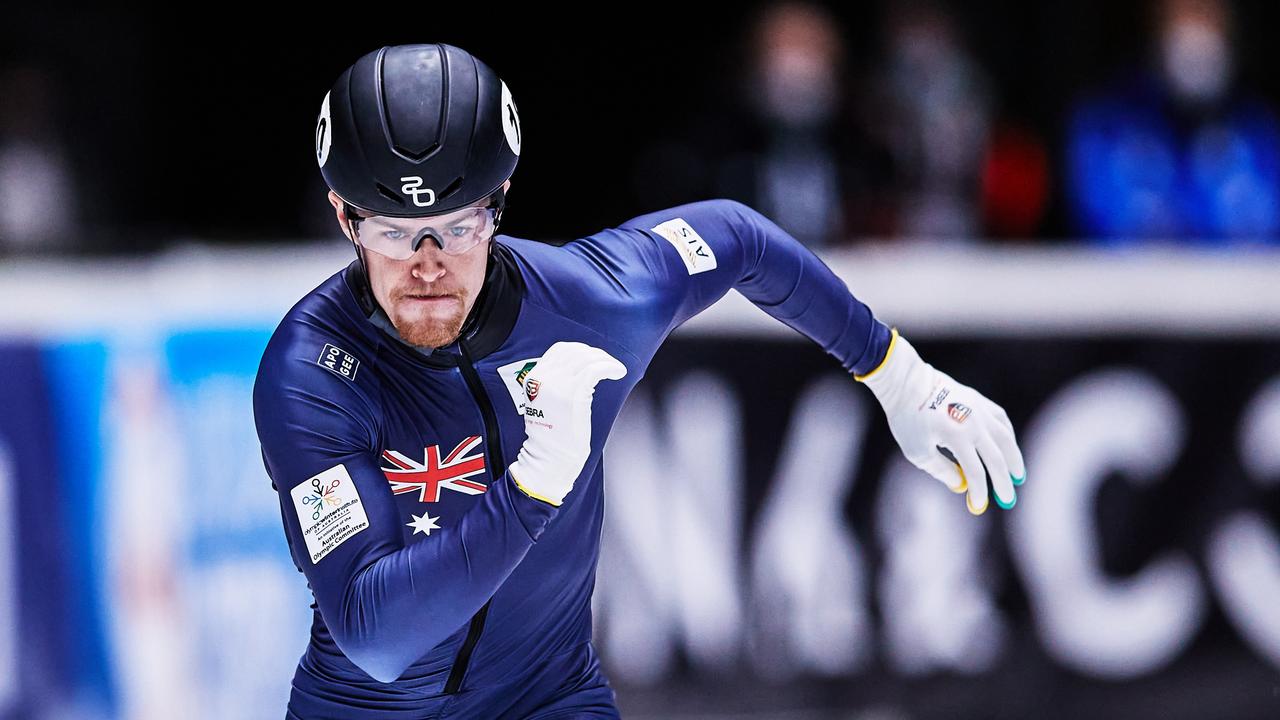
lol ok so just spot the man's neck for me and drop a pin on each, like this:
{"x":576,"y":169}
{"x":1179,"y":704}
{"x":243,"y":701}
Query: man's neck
{"x":380,"y":319}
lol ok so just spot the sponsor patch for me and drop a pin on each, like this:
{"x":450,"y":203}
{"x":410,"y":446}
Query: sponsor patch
{"x":513,"y":376}
{"x":422,"y":197}
{"x":340,"y":361}
{"x":937,"y":399}
{"x":695,"y":252}
{"x":329,"y":511}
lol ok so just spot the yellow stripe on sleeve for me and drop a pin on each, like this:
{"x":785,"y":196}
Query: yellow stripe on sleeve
{"x":887,"y":353}
{"x":526,"y":491}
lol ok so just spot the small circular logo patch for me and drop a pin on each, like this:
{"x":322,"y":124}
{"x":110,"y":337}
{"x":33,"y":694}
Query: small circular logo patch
{"x":958,"y":411}
{"x":510,"y":120}
{"x":324,"y":133}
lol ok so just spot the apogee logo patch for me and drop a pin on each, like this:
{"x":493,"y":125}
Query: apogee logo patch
{"x":339,"y":361}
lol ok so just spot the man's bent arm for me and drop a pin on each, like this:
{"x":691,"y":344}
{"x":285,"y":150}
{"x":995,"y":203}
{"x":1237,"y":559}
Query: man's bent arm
{"x":386,"y":603}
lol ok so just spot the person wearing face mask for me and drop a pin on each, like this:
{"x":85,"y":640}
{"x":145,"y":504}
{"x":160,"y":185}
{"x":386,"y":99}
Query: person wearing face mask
{"x":778,"y":132}
{"x":433,"y":415}
{"x":1179,"y":151}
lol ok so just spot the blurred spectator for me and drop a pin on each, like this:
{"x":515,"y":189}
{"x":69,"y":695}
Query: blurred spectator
{"x":798,"y":65}
{"x":784,"y":143}
{"x":931,"y":110}
{"x":38,"y":203}
{"x":1178,"y":150}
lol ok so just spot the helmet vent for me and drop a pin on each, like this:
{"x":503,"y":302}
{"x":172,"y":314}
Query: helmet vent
{"x":451,"y":188}
{"x":416,"y":156}
{"x":388,"y":193}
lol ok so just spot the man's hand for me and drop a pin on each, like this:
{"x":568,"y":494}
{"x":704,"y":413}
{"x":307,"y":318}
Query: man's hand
{"x":946,"y":428}
{"x":557,"y":420}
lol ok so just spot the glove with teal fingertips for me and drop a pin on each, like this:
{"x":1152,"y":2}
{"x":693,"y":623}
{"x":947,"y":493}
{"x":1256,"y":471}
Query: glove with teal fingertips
{"x":947,"y":428}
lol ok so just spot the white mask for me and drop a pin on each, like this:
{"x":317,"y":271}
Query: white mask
{"x":1197,"y":63}
{"x":798,"y":87}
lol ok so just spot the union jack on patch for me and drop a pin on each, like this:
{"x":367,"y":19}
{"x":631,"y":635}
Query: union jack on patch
{"x":426,"y":478}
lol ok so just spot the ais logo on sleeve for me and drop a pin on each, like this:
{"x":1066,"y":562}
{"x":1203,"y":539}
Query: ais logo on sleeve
{"x":693,"y":249}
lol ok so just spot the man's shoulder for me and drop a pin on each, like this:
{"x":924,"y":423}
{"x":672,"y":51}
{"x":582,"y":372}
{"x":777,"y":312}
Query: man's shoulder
{"x":644,"y":231}
{"x":629,"y":261}
{"x":324,"y":330}
{"x":700,"y":209}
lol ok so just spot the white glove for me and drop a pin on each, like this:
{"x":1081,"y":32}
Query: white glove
{"x":946,"y":428}
{"x":557,"y":419}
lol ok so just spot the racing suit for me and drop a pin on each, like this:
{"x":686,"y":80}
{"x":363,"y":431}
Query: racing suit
{"x":442,"y":589}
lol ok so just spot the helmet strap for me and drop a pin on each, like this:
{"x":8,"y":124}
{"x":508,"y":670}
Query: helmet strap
{"x":369,"y":301}
{"x":499,"y":202}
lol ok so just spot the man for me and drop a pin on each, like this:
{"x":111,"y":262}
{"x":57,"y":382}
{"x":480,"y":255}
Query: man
{"x":432,"y":416}
{"x":1180,"y":149}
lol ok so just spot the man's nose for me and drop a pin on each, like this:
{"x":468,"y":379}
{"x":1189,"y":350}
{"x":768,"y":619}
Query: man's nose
{"x":428,"y":270}
{"x":428,"y":263}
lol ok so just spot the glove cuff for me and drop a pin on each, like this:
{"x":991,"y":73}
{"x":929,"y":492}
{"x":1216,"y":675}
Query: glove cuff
{"x":546,"y":496}
{"x":900,"y":358}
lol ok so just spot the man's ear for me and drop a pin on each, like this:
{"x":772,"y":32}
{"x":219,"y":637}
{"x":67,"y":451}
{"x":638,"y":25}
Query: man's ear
{"x":337,"y":204}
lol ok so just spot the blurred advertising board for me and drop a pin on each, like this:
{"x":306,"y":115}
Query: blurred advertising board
{"x":766,"y":548}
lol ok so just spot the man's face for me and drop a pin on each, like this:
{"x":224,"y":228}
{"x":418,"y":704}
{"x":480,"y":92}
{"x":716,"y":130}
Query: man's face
{"x":428,"y":296}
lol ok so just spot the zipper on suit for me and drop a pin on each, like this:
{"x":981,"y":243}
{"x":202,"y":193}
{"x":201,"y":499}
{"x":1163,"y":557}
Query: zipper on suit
{"x":498,"y":465}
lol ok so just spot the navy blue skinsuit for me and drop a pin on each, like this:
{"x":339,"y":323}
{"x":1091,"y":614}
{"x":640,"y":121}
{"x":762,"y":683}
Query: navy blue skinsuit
{"x":441,"y":589}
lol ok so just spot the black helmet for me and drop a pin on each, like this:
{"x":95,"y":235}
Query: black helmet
{"x":413,"y":130}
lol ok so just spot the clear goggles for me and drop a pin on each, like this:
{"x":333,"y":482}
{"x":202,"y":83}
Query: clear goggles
{"x":400,"y":237}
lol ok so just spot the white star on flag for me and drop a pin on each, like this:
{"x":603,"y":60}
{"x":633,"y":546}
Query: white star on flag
{"x":423,"y":523}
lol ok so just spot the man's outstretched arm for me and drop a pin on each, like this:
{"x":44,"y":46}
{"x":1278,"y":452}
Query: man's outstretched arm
{"x":700,"y":251}
{"x":697,"y":252}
